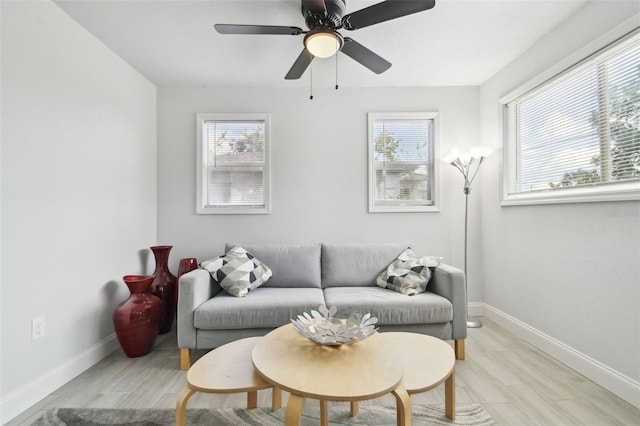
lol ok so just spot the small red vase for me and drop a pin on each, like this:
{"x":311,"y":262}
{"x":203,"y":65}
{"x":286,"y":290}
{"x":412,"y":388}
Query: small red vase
{"x":137,"y":319}
{"x":164,"y":286}
{"x":186,"y":265}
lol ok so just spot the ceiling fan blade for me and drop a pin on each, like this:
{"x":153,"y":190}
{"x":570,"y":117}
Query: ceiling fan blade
{"x":300,"y":65}
{"x":385,"y":11}
{"x":366,"y":57}
{"x":257,"y":29}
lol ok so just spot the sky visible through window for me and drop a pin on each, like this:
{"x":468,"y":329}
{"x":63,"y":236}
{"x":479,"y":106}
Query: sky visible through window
{"x":557,"y":125}
{"x":227,"y":137}
{"x":413,"y":138}
{"x":555,"y":135}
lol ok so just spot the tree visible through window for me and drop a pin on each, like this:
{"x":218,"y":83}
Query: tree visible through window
{"x":580,"y":129}
{"x":233,"y":164}
{"x":401,"y":149}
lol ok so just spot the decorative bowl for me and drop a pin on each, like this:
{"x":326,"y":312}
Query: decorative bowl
{"x":323,"y":328}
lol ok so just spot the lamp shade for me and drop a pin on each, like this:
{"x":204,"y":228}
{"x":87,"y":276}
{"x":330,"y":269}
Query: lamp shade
{"x":323,"y":43}
{"x":475,"y":153}
{"x":451,"y":155}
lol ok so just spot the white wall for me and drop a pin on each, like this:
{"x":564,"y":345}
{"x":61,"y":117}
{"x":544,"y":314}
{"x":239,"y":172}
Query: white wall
{"x":78,"y":196}
{"x":319,"y":170}
{"x":568,"y":272}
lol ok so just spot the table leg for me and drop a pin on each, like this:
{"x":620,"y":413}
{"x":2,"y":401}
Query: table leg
{"x":324,"y":413}
{"x":450,"y":395}
{"x":181,"y":405}
{"x":403,"y":406}
{"x":252,"y":399}
{"x":294,"y":410}
{"x":276,"y":398}
{"x":354,"y":408}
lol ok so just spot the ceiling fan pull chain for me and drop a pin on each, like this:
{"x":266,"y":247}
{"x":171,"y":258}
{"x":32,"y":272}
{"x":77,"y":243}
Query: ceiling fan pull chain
{"x":311,"y":88}
{"x":336,"y":72}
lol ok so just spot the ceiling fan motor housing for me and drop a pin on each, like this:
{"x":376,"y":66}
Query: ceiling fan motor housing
{"x":315,"y":18}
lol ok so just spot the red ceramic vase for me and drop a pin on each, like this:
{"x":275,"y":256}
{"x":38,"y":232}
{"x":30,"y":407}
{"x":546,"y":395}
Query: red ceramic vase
{"x":186,"y":265}
{"x":137,"y":319}
{"x":164,"y":286}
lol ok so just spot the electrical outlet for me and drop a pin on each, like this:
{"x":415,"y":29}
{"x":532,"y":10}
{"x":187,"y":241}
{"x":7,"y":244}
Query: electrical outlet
{"x":37,"y":328}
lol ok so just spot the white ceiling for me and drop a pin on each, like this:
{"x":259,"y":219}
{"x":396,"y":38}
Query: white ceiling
{"x":458,"y":42}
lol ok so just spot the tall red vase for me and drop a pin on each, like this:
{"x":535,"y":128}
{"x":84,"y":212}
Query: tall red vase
{"x":185,"y":265}
{"x":164,"y":286}
{"x":137,"y":319}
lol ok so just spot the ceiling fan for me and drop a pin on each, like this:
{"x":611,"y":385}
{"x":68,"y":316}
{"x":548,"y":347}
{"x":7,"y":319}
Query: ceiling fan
{"x":324,"y":18}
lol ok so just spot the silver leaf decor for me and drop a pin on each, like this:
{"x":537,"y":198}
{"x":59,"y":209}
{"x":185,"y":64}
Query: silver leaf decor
{"x":323,"y":328}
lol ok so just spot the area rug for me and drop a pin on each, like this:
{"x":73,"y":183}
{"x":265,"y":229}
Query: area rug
{"x":466,"y":414}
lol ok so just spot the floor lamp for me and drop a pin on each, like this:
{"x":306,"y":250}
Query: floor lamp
{"x":468,"y":164}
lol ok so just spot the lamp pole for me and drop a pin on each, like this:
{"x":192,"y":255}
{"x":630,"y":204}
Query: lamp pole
{"x":468,"y":165}
{"x":472,"y":322}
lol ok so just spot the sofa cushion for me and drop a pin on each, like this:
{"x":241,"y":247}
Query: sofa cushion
{"x":390,"y":307}
{"x":238,"y":271}
{"x":356,"y":265}
{"x":408,"y":274}
{"x":263,"y":307}
{"x":292,"y":265}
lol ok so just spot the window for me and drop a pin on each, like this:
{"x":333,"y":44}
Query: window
{"x":401,"y":162}
{"x":576,"y":137}
{"x":233,"y":163}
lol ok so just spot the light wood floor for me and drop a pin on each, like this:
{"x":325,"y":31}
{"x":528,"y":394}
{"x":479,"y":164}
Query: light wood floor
{"x":515,"y":382}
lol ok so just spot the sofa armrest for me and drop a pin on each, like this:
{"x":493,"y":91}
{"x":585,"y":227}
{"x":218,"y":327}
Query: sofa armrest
{"x":194,"y":288}
{"x":448,"y":282}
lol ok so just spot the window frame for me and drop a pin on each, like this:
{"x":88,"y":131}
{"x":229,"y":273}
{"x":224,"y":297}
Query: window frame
{"x":602,"y":192}
{"x":201,"y":164}
{"x":435,"y":167}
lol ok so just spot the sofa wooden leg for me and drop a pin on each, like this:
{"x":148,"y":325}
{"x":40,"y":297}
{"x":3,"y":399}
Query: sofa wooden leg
{"x":185,"y":358}
{"x":459,"y":348}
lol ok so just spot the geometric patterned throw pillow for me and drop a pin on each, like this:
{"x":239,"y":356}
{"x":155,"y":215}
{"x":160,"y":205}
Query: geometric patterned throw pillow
{"x":238,"y":271}
{"x":408,"y":274}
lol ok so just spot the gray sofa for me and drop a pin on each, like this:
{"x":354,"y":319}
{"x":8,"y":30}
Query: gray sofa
{"x":306,"y":276}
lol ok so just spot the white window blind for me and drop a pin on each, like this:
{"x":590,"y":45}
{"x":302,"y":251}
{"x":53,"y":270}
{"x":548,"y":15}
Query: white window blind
{"x":580,"y":129}
{"x":233,"y":165}
{"x":401,"y":151}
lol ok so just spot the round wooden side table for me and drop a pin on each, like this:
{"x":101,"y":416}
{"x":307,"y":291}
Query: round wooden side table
{"x":428,"y":361}
{"x":226,"y":369}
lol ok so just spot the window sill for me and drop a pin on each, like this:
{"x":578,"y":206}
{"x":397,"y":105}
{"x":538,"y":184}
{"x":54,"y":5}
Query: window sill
{"x":233,"y":210}
{"x":404,"y":209}
{"x":629,"y":191}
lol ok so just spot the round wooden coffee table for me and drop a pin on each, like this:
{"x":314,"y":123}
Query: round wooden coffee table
{"x":359,"y":371}
{"x":227,"y":369}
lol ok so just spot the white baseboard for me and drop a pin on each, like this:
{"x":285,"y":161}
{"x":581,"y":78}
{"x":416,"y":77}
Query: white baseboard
{"x":31,"y":393}
{"x":615,"y":382}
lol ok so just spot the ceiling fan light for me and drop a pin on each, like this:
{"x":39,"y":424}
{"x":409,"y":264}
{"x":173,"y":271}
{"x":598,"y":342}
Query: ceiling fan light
{"x":323,"y":44}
